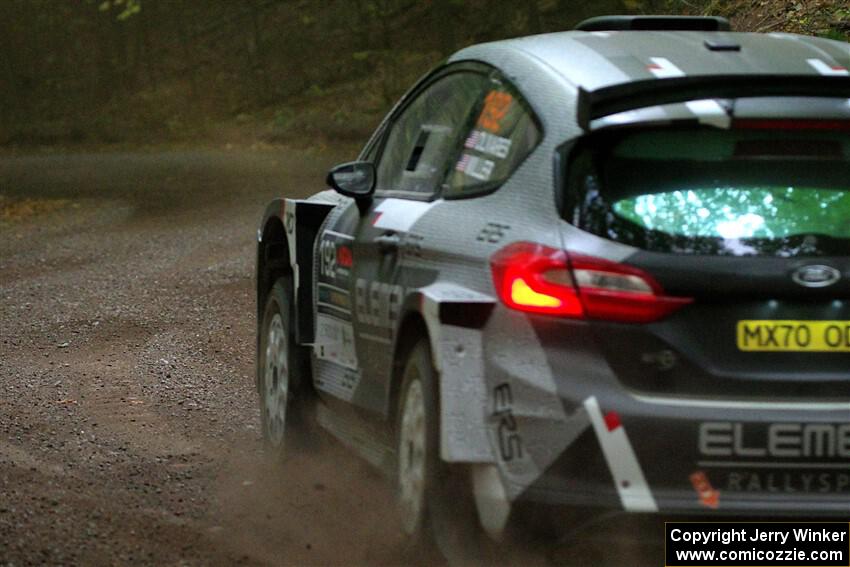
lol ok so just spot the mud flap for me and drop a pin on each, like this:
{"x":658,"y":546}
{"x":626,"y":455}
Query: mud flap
{"x":458,"y":357}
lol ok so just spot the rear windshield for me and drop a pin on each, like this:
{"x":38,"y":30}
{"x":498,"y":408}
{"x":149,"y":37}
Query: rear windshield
{"x":708,"y":191}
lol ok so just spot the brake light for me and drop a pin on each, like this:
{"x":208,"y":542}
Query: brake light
{"x":538,"y":279}
{"x":520,"y":272}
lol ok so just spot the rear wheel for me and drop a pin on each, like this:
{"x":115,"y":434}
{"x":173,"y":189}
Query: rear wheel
{"x":286,"y":403}
{"x":435,"y":502}
{"x":417,"y":446}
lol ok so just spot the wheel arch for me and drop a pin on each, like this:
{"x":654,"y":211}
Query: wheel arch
{"x":273,"y":261}
{"x":451,"y":318}
{"x":412,"y":329}
{"x":285,"y":246}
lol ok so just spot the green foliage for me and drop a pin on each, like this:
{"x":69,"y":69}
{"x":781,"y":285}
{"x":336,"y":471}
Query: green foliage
{"x":282,"y":117}
{"x":835,"y":33}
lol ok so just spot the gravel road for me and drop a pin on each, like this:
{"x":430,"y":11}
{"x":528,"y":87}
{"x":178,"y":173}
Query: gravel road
{"x":129,"y":428}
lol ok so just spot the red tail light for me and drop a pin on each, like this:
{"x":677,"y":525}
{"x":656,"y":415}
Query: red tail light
{"x":538,"y":279}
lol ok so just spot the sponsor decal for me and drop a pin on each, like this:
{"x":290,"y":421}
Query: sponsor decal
{"x":338,"y":381}
{"x":510,"y":442}
{"x":775,"y":441}
{"x":333,"y":297}
{"x":475,"y":167}
{"x":825,"y":68}
{"x":782,"y":458}
{"x":344,"y":257}
{"x":488,"y":144}
{"x":496,"y":107}
{"x":335,"y":341}
{"x":335,"y":259}
{"x":787,"y":482}
{"x":377,"y":303}
{"x":708,"y":496}
{"x":663,"y":68}
{"x":492,"y":232}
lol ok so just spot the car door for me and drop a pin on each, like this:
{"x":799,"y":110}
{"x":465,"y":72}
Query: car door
{"x":413,"y":154}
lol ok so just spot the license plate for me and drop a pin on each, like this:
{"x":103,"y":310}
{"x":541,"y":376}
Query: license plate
{"x":797,"y":336}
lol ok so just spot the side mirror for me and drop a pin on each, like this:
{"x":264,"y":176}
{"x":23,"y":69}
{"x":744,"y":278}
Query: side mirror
{"x":354,"y":179}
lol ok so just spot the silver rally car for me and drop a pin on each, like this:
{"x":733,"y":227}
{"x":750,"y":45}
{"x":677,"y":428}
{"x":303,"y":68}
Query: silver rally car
{"x":607,"y":269}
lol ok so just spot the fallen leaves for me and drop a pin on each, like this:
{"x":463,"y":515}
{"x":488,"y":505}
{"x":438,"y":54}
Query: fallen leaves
{"x":21,"y":209}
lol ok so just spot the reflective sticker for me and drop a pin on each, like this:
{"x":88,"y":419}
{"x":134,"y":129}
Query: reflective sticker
{"x":475,"y":167}
{"x":663,"y":68}
{"x":708,"y":497}
{"x":488,"y":144}
{"x":496,"y":106}
{"x":399,"y":214}
{"x":634,"y":491}
{"x":824,"y":68}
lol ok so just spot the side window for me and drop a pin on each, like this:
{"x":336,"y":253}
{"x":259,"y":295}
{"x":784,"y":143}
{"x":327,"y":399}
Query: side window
{"x":427,"y":134}
{"x":504,"y":133}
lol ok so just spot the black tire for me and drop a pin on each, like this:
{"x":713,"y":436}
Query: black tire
{"x":291,"y":425}
{"x":447,"y":521}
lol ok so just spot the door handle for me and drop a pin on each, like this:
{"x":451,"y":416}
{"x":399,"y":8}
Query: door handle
{"x":387,"y":242}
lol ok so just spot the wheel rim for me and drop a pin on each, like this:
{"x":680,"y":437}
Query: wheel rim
{"x":276,"y":380}
{"x":411,"y":473}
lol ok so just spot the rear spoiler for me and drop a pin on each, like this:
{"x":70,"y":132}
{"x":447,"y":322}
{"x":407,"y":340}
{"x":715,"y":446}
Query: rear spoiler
{"x":593,"y":104}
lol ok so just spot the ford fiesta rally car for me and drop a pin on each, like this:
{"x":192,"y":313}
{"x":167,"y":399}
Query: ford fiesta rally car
{"x":607,"y":268}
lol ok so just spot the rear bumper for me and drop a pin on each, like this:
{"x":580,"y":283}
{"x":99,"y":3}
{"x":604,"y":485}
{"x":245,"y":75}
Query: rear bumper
{"x":648,"y":454}
{"x":665,"y":442}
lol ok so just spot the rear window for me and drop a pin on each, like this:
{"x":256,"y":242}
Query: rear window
{"x":707,"y":191}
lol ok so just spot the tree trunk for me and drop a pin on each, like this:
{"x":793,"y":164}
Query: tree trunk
{"x":255,"y":55}
{"x":535,"y":23}
{"x":179,"y":12}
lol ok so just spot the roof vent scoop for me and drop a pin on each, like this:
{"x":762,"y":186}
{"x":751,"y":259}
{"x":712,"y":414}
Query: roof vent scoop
{"x":655,"y":23}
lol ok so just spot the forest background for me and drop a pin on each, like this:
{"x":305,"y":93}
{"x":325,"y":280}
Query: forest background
{"x":294,"y":72}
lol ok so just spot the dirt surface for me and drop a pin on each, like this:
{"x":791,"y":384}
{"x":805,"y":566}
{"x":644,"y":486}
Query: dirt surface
{"x":129,"y":428}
